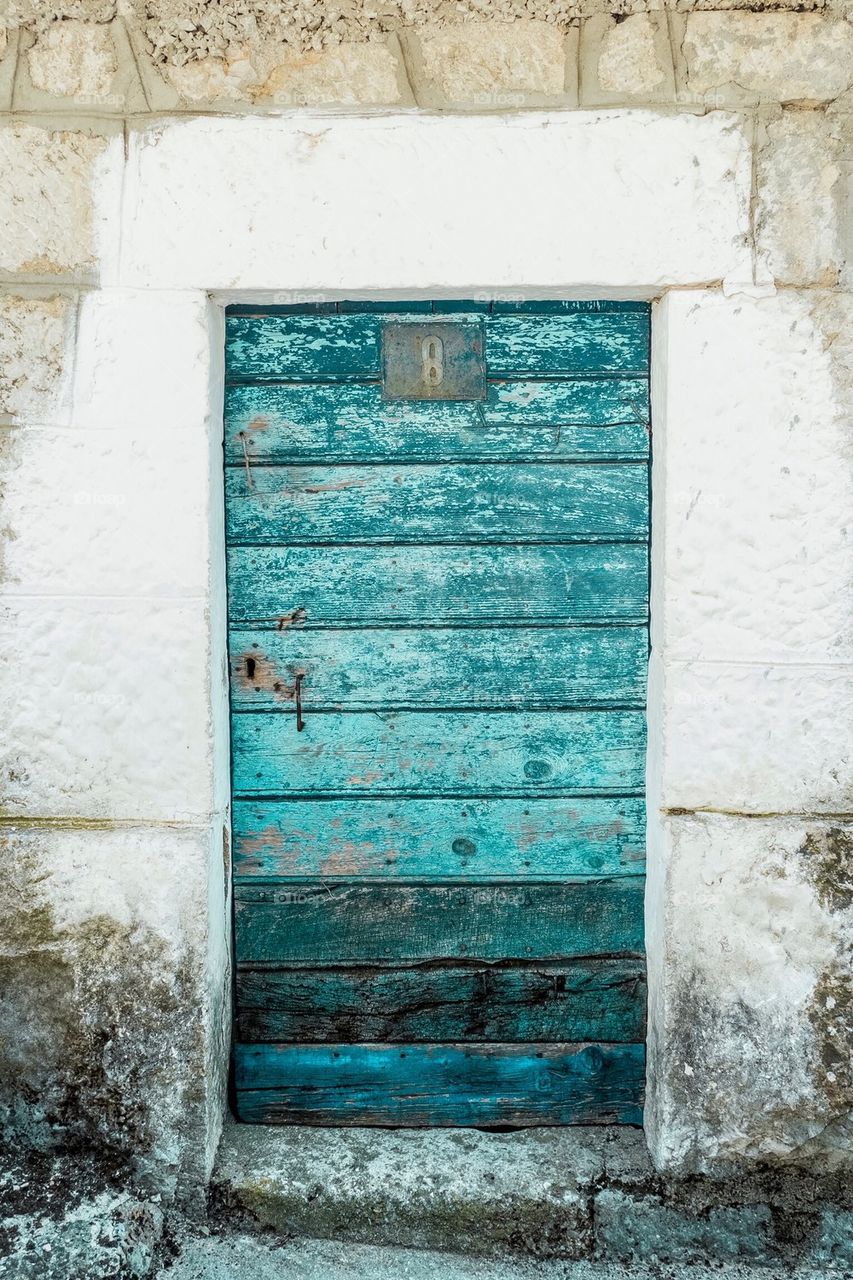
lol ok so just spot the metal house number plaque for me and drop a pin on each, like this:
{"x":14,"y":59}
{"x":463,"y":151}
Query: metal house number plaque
{"x":433,"y":361}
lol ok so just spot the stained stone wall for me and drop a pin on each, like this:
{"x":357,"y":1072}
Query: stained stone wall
{"x":153,"y":154}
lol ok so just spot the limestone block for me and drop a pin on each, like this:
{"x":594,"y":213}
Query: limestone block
{"x":626,"y":60}
{"x":777,"y":57}
{"x":9,"y":41}
{"x":106,"y":513}
{"x":106,"y":704}
{"x":489,"y":65}
{"x":36,"y":337}
{"x":799,"y":211}
{"x":751,"y":1000}
{"x":147,"y":358}
{"x":245,"y":204}
{"x":107,"y":1012}
{"x":59,"y":194}
{"x":87,"y":64}
{"x":754,"y":556}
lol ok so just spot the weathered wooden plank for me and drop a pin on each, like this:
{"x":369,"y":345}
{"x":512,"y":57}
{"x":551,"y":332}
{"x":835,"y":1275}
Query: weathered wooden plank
{"x":283,"y":587}
{"x":579,"y":1000}
{"x":583,"y":342}
{"x":455,"y":668}
{"x":302,"y":347}
{"x":438,"y":840}
{"x":352,"y":422}
{"x":521,"y":753}
{"x":305,"y":347}
{"x":448,"y":1084}
{"x":326,"y":923}
{"x":530,"y":502}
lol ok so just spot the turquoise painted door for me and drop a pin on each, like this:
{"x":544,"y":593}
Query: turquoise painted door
{"x":438,"y":617}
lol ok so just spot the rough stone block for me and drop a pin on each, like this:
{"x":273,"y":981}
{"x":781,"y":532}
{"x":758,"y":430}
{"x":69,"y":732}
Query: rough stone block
{"x":646,"y":1229}
{"x":106,"y":1014}
{"x":751,"y":1000}
{"x":106,"y":513}
{"x":490,"y":65}
{"x":628,"y":60}
{"x":112,"y":719}
{"x":59,"y":193}
{"x":752,"y":437}
{"x":242,"y":204}
{"x":9,"y":41}
{"x":800,"y":208}
{"x":36,"y":337}
{"x":84,"y":65}
{"x":467,"y":1192}
{"x":738,"y":56}
{"x":368,"y":74}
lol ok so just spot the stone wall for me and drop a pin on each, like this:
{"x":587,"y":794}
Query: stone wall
{"x":723,"y":191}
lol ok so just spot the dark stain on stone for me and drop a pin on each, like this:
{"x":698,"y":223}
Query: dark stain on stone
{"x":827,"y":860}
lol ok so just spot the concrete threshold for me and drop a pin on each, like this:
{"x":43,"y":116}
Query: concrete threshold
{"x":539,"y":1194}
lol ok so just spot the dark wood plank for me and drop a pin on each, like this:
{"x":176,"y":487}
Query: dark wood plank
{"x":281,"y":587}
{"x":379,"y":924}
{"x":580,"y":1000}
{"x":440,"y":1084}
{"x":442,"y":753}
{"x":519,"y":421}
{"x":530,"y":502}
{"x":438,"y":840}
{"x":456,"y":668}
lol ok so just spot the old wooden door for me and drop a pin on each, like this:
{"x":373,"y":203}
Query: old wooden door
{"x":438,"y":647}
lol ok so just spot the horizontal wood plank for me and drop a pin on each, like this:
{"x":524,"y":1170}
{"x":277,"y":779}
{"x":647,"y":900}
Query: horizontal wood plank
{"x":305,"y":587}
{"x":306,"y":347}
{"x":456,"y":668}
{"x":445,"y":753}
{"x":580,"y":1000}
{"x":528,"y":502}
{"x":440,"y":1084}
{"x":326,"y":923}
{"x":519,"y":421}
{"x":438,"y":840}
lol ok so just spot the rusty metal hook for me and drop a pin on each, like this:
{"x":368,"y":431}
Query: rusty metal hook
{"x":300,"y":723}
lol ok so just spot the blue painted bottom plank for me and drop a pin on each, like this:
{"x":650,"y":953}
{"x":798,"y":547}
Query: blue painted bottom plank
{"x":442,"y":1085}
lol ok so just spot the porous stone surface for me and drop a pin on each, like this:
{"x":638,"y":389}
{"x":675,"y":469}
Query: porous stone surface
{"x":347,"y":74}
{"x":800,"y":199}
{"x":489,"y":64}
{"x":781,"y":57}
{"x":630,"y":59}
{"x":73,"y":1219}
{"x":36,"y":334}
{"x":648,"y":1230}
{"x":50,"y":180}
{"x":74,"y":59}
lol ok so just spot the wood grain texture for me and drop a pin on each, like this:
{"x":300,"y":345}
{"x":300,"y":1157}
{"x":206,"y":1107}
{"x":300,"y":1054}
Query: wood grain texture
{"x":308,"y":347}
{"x":519,"y":421}
{"x":578,"y":1000}
{"x":523,"y":753}
{"x":527,"y":502}
{"x":437,"y":840}
{"x":371,"y":923}
{"x":440,"y":1084}
{"x":306,"y":587}
{"x":457,"y":668}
